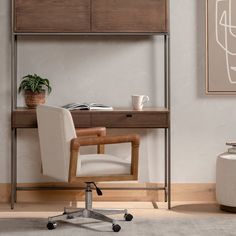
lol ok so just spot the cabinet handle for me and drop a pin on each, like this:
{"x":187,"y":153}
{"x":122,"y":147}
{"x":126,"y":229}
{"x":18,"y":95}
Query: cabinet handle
{"x":129,"y":115}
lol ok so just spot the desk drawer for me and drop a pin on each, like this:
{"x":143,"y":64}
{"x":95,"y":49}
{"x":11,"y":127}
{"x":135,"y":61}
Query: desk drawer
{"x":131,"y":119}
{"x":81,"y":120}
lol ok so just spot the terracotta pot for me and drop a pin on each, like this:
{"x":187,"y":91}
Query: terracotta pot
{"x":33,"y":99}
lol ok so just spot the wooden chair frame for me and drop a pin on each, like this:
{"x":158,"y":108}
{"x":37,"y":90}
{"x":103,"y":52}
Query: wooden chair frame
{"x":96,"y":131}
{"x":100,"y":141}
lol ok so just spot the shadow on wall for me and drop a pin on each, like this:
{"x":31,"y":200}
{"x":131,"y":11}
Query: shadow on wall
{"x":201,"y":39}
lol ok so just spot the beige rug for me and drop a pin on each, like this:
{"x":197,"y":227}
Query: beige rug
{"x":219,"y":225}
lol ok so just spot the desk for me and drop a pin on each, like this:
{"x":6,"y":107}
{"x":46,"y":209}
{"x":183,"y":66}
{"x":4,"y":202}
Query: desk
{"x":118,"y":118}
{"x":93,"y":14}
{"x":155,"y":21}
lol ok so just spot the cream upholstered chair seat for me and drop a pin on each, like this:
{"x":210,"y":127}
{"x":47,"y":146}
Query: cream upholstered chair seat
{"x":60,"y":146}
{"x":102,"y":164}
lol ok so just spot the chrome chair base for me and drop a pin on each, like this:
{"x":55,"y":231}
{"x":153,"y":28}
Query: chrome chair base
{"x":89,"y":212}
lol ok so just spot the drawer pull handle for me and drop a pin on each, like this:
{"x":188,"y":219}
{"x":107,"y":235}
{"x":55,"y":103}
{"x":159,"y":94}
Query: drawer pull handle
{"x":129,"y":115}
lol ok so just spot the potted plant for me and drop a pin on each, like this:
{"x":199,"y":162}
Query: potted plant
{"x":34,"y":88}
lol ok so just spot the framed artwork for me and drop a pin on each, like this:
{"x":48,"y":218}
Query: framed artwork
{"x":221,"y":47}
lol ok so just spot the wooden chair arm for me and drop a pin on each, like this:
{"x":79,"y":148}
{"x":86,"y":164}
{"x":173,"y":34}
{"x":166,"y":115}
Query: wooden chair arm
{"x":98,"y":131}
{"x":77,"y":142}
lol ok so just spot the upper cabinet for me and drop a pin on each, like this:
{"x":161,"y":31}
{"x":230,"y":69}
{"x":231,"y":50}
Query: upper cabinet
{"x":52,"y":16}
{"x":90,"y":16}
{"x":129,"y":16}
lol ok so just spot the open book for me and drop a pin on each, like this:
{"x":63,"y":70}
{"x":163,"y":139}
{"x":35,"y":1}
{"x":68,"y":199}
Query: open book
{"x":86,"y":106}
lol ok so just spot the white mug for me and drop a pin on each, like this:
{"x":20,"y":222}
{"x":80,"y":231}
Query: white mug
{"x":138,"y":101}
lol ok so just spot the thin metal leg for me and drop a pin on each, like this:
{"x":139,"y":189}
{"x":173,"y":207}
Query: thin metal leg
{"x":169,"y":106}
{"x":169,"y":169}
{"x":165,"y":164}
{"x":13,"y":106}
{"x":167,"y":130}
{"x":13,"y":167}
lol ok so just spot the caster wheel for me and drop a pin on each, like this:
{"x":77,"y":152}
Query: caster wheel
{"x":128,"y":217}
{"x":116,"y":228}
{"x":51,"y":225}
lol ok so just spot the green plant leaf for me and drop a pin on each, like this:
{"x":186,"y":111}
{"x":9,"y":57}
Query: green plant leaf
{"x":34,"y":83}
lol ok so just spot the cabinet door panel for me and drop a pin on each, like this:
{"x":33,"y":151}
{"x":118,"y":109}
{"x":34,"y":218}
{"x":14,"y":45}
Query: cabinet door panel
{"x":129,"y":16}
{"x":52,"y":16}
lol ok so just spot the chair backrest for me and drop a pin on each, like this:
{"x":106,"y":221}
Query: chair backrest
{"x":56,"y":129}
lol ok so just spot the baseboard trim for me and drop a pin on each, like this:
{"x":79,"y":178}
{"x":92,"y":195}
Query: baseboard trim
{"x":180,"y":192}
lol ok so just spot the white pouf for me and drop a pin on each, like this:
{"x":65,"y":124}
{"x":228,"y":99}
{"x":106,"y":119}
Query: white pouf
{"x":226,"y":181}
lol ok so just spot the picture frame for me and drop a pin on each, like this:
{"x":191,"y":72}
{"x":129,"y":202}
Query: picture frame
{"x":221,"y":47}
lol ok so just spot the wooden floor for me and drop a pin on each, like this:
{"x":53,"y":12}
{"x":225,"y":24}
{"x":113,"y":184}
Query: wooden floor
{"x":138,"y":209}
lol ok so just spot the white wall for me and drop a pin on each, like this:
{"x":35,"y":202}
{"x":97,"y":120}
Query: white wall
{"x":109,"y":69}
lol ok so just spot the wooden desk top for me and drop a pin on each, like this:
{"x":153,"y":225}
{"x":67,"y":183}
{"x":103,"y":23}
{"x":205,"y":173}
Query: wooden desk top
{"x":118,"y":118}
{"x":116,"y":109}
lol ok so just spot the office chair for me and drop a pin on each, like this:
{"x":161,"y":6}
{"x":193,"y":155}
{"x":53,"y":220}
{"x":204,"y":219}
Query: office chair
{"x":60,"y":144}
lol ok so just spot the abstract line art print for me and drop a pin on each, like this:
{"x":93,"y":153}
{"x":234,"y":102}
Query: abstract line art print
{"x":221,"y":47}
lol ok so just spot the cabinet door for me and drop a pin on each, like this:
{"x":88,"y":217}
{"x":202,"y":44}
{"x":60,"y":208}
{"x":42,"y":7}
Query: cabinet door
{"x":52,"y":15}
{"x":129,"y":16}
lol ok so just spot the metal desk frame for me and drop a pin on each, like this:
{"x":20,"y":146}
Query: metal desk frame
{"x":167,"y":104}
